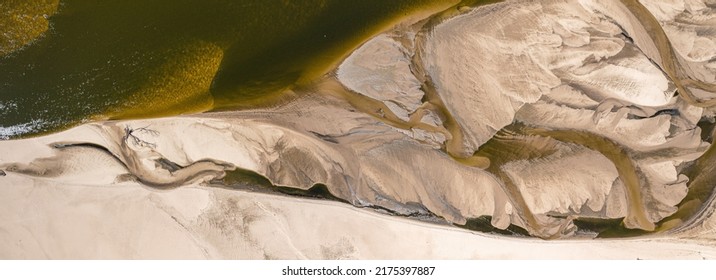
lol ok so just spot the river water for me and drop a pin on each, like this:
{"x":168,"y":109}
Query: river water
{"x":71,"y":61}
{"x":67,"y":62}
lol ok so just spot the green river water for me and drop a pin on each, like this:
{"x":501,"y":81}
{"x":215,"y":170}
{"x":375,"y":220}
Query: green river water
{"x":66,"y":62}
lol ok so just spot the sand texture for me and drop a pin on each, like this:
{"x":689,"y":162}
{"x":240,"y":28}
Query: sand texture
{"x":518,"y":130}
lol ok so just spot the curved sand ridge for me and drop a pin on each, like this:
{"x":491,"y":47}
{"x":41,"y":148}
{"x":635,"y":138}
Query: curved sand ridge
{"x":532,"y":113}
{"x":352,"y":157}
{"x":361,"y":161}
{"x":568,"y":68}
{"x":651,"y":26}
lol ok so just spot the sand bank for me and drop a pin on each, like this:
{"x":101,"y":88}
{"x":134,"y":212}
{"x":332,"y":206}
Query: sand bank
{"x":49,"y":220}
{"x":532,"y":114}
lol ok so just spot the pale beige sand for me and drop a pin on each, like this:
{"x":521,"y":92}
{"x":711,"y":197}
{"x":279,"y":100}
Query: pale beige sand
{"x":600,"y":134}
{"x":551,"y":64}
{"x":360,"y":161}
{"x":691,"y":28}
{"x":488,"y":63}
{"x":43,"y":219}
{"x":664,"y":31}
{"x":380,"y":69}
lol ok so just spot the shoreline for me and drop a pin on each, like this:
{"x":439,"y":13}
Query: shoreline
{"x":77,"y":187}
{"x":568,"y":131}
